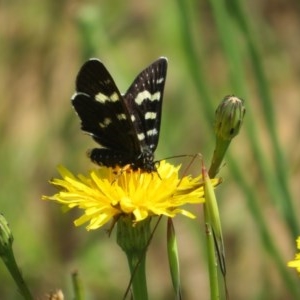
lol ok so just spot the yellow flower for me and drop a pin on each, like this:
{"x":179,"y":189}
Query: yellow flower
{"x":104,"y":195}
{"x":296,"y":262}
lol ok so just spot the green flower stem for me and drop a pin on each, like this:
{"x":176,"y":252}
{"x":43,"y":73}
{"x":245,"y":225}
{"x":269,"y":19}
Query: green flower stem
{"x":211,"y":256}
{"x":14,"y":270}
{"x":134,"y":239}
{"x":219,"y":153}
{"x":7,"y":255}
{"x":137,"y":266}
{"x":173,"y":257}
{"x":77,"y":286}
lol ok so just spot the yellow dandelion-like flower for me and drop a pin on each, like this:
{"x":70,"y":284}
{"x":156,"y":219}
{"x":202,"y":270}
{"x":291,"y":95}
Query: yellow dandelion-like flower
{"x":104,"y":195}
{"x":296,"y":262}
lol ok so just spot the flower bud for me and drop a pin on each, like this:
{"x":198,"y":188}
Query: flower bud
{"x":6,"y":238}
{"x":229,"y":117}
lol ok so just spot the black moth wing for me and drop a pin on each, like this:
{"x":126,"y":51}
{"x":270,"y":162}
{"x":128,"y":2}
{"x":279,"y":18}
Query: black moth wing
{"x":102,"y":109}
{"x":144,"y":102}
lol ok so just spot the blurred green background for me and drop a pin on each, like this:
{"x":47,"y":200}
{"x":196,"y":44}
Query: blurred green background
{"x":215,"y":48}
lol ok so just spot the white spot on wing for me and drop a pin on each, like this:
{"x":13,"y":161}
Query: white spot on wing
{"x":132,"y":118}
{"x":114,"y":97}
{"x":150,"y":115}
{"x":160,"y":80}
{"x":101,"y":98}
{"x":141,"y":136}
{"x":105,"y":122}
{"x":121,"y":117}
{"x":152,"y":132}
{"x":146,"y":95}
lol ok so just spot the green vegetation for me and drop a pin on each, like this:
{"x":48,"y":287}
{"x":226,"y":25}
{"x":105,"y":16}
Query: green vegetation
{"x":215,"y":48}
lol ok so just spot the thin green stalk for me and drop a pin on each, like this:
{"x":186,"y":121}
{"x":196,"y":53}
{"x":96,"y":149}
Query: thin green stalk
{"x":14,"y":270}
{"x":77,"y":286}
{"x":7,"y":255}
{"x":217,"y":158}
{"x":137,"y":264}
{"x":134,"y":242}
{"x":211,"y":257}
{"x":193,"y":59}
{"x":173,"y":257}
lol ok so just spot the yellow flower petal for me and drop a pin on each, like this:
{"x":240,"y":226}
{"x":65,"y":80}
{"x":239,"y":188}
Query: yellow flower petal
{"x":296,"y":262}
{"x":104,"y":195}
